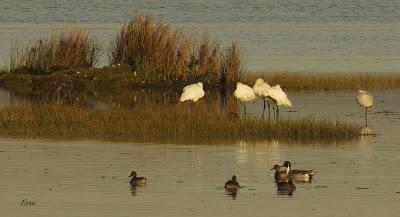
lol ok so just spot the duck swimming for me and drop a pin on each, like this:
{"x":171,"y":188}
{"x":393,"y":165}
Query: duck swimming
{"x":298,"y":175}
{"x":135,"y":180}
{"x":280,"y":176}
{"x":232,"y":185}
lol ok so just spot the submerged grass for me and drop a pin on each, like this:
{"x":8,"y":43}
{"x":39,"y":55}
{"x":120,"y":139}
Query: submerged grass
{"x":329,"y":81}
{"x":172,"y":123}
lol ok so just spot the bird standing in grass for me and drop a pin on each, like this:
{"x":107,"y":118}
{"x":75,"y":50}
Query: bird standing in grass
{"x":279,"y":98}
{"x":366,"y":100}
{"x":192,"y":92}
{"x":262,"y":89}
{"x":244,"y":93}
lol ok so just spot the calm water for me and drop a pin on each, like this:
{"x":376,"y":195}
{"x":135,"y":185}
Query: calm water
{"x":89,"y":178}
{"x":309,"y":35}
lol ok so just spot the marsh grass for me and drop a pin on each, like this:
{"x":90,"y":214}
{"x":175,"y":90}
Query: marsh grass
{"x":153,"y":49}
{"x":58,"y":51}
{"x":329,"y":81}
{"x":181,"y":122}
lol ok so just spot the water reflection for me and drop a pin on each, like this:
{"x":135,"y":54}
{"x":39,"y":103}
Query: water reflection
{"x":215,"y":101}
{"x":285,"y":188}
{"x":232,"y":194}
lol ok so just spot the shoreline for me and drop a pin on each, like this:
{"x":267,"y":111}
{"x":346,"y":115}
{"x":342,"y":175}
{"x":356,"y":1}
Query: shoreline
{"x":97,"y":79}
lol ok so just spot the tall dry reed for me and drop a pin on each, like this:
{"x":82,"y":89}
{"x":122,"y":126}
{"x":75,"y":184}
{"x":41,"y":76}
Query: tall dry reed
{"x":57,"y":52}
{"x":153,"y":49}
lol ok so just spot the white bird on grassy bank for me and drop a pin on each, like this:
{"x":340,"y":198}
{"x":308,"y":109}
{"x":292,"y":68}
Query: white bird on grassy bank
{"x":366,"y":100}
{"x":244,"y":93}
{"x":192,"y":92}
{"x":262,"y":89}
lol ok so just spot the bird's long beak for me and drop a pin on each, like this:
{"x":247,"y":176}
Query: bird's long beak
{"x":130,"y":175}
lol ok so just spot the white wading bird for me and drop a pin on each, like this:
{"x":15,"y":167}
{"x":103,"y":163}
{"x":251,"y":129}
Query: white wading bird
{"x":244,"y":93}
{"x":192,"y":92}
{"x":279,"y":98}
{"x":262,"y":90}
{"x":366,"y":100}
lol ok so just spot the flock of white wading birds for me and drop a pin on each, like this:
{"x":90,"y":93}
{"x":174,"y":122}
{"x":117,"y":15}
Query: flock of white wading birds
{"x":274,"y":95}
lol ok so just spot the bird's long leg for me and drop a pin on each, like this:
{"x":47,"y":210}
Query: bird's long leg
{"x":269,"y":110}
{"x":273,"y":110}
{"x":365,"y":116}
{"x":264,"y":108}
{"x":277,"y":112}
{"x":244,"y":106}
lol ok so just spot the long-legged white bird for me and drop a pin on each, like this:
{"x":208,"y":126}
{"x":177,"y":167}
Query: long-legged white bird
{"x":244,"y":93}
{"x":366,"y":100}
{"x":262,"y":89}
{"x":192,"y":92}
{"x":279,"y":98}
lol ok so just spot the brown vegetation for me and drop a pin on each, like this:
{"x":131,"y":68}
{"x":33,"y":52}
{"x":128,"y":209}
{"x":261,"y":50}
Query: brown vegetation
{"x":56,"y":52}
{"x":179,"y":122}
{"x":328,"y":81}
{"x":155,"y":50}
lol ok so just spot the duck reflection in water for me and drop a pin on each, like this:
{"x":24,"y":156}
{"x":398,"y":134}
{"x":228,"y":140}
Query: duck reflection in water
{"x":285,"y":188}
{"x":284,"y":183}
{"x":136,"y":182}
{"x":232,"y":186}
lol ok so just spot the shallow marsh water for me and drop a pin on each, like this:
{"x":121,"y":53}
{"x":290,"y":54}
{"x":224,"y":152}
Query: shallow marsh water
{"x":90,"y":178}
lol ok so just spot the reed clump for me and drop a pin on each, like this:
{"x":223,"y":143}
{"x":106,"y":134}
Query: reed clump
{"x":171,"y":123}
{"x":152,"y":49}
{"x":329,"y":81}
{"x":59,"y":51}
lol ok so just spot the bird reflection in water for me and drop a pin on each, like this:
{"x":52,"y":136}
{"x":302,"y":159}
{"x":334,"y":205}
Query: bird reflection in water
{"x":285,"y":188}
{"x":136,"y":182}
{"x":232,"y":194}
{"x":231,"y":187}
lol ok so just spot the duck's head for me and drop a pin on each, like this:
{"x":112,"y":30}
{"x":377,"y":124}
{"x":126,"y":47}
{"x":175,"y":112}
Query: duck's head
{"x":259,"y":81}
{"x":276,"y":167}
{"x":200,"y":84}
{"x":133,"y":174}
{"x":234,"y":178}
{"x":287,"y":164}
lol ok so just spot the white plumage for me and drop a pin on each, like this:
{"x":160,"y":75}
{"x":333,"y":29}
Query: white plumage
{"x":365,"y":99}
{"x":244,"y":93}
{"x":279,"y":96}
{"x":192,"y":92}
{"x":261,"y":88}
